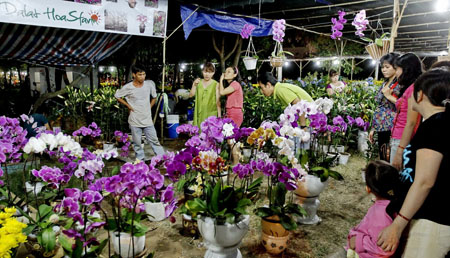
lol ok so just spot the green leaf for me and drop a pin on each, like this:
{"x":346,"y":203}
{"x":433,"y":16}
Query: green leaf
{"x":263,"y":212}
{"x":26,"y":231}
{"x":279,"y":194}
{"x":78,"y":249}
{"x":111,"y":225}
{"x":44,"y":211}
{"x":115,"y":170}
{"x":230,"y":218}
{"x":336,"y":175}
{"x":296,"y":209}
{"x":48,"y":239}
{"x":367,"y":39}
{"x":287,"y":222}
{"x":67,"y":246}
{"x":195,"y":206}
{"x":215,"y":197}
{"x":379,"y":42}
{"x":256,"y":184}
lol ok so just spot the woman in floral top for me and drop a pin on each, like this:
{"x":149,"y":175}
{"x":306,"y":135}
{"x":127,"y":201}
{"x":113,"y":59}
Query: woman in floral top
{"x":383,"y":117}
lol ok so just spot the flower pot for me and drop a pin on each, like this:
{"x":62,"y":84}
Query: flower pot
{"x":34,"y":188}
{"x":190,"y":227}
{"x":276,"y":61}
{"x":334,"y":155}
{"x":33,"y":247}
{"x":271,"y":226}
{"x":155,"y":210}
{"x":125,"y":244}
{"x":107,"y":146}
{"x":362,"y":141}
{"x":250,"y":62}
{"x":274,"y":245}
{"x":142,"y":27}
{"x":223,"y":241}
{"x":343,"y":158}
{"x":307,"y":193}
{"x":98,"y":144}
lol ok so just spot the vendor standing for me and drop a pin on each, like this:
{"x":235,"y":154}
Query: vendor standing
{"x":137,"y":100}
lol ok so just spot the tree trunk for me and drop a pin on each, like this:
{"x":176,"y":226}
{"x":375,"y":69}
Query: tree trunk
{"x":49,"y":95}
{"x":238,"y":53}
{"x":221,"y":51}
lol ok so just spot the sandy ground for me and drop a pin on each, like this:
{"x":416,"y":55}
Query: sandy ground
{"x":343,"y":204}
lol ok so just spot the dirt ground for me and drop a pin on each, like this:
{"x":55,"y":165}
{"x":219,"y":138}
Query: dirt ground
{"x":343,"y":205}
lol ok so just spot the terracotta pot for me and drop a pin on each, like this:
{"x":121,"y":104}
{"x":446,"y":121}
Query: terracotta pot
{"x":274,"y":245}
{"x":271,"y":226}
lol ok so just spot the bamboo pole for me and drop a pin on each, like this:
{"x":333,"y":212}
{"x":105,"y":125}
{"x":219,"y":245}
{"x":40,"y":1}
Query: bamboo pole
{"x":394,"y":24}
{"x":395,"y":28}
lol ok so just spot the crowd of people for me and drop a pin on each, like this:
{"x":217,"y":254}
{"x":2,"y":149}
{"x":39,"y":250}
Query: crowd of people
{"x":412,"y":125}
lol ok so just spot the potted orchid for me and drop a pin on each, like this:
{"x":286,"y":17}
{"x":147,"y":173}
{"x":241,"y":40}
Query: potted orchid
{"x":250,"y":57}
{"x":278,"y":55}
{"x":377,"y":47}
{"x":142,"y":19}
{"x":225,"y":193}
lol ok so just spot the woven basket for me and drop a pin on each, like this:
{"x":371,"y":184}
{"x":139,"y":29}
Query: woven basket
{"x":276,"y":61}
{"x":377,"y":52}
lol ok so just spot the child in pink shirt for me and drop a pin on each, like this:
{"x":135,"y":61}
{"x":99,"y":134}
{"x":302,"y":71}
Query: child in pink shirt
{"x":381,"y":181}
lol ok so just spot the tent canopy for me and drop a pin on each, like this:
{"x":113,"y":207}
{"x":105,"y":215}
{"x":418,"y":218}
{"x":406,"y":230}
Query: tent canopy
{"x":423,"y":27}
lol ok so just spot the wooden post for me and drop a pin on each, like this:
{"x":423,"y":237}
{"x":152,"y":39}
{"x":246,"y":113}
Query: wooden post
{"x":395,"y":14}
{"x":163,"y":82}
{"x":301,"y":68}
{"x":353,"y":67}
{"x":280,"y":73}
{"x":396,"y":21}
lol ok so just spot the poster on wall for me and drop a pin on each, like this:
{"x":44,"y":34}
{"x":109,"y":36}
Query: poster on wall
{"x":134,"y":17}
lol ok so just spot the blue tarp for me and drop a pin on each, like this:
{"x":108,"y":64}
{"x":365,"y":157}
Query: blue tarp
{"x":225,"y":23}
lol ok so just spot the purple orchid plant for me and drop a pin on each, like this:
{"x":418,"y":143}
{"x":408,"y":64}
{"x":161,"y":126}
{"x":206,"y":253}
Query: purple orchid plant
{"x":338,"y":25}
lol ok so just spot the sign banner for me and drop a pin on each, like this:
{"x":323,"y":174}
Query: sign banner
{"x":133,"y":17}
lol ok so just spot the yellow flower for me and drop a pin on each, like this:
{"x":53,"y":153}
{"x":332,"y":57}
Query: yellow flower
{"x":10,"y":233}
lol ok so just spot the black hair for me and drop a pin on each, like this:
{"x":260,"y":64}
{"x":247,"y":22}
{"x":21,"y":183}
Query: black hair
{"x":389,"y":58}
{"x":137,"y":69}
{"x":332,"y":73}
{"x":435,"y":84}
{"x":412,"y":69}
{"x":440,"y":64}
{"x":266,"y":77}
{"x":238,"y":77}
{"x":383,"y":180}
{"x":42,"y":109}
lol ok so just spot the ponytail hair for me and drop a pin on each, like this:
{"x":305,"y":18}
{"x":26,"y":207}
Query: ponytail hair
{"x":238,"y":77}
{"x":383,"y":180}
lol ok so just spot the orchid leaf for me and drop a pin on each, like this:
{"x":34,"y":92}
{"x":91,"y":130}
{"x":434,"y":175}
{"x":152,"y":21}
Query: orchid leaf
{"x":367,"y":39}
{"x":48,"y":239}
{"x":215,"y":198}
{"x":287,"y":222}
{"x":263,"y":212}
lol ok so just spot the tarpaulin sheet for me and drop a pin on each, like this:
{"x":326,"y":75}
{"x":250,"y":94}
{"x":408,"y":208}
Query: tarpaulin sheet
{"x":225,"y":23}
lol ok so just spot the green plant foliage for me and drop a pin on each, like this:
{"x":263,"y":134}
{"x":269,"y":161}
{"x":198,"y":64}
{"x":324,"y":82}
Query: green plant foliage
{"x":258,"y":108}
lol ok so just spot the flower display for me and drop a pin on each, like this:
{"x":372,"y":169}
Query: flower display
{"x":187,"y":129}
{"x":123,"y":139}
{"x":10,"y":232}
{"x":247,"y":30}
{"x":338,"y":25}
{"x":12,"y":139}
{"x":141,"y":18}
{"x":278,"y":28}
{"x":92,"y":130}
{"x":360,"y":23}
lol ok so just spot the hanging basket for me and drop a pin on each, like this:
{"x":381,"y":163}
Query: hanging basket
{"x":376,"y":52}
{"x":249,"y":59}
{"x":250,"y":62}
{"x":276,"y":61}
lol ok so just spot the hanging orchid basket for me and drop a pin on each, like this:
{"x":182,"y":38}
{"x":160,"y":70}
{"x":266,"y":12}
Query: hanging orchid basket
{"x":276,"y":61}
{"x":250,"y":59}
{"x":278,"y":55}
{"x":378,"y":49}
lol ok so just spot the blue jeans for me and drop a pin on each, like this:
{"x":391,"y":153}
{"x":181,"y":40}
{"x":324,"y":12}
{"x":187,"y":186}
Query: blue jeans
{"x":152,"y":138}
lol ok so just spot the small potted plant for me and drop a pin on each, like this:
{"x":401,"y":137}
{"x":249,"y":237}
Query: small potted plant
{"x":142,"y":19}
{"x":278,"y":55}
{"x":250,"y":58}
{"x":377,"y":47}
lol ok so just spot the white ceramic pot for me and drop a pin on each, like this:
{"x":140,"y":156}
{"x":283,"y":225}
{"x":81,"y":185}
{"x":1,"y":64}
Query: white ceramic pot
{"x":155,"y":210}
{"x":125,"y":243}
{"x":250,"y":63}
{"x":343,"y":158}
{"x":108,"y":146}
{"x":223,"y":241}
{"x":362,"y":141}
{"x":34,"y":188}
{"x":307,"y":193}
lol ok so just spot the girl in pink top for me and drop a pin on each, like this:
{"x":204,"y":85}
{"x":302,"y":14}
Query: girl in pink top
{"x":235,"y":97}
{"x":381,"y":181}
{"x":408,"y":69}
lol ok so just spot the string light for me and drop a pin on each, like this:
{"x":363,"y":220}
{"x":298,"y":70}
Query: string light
{"x":286,"y":64}
{"x":441,"y":6}
{"x":336,"y":62}
{"x":317,"y":63}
